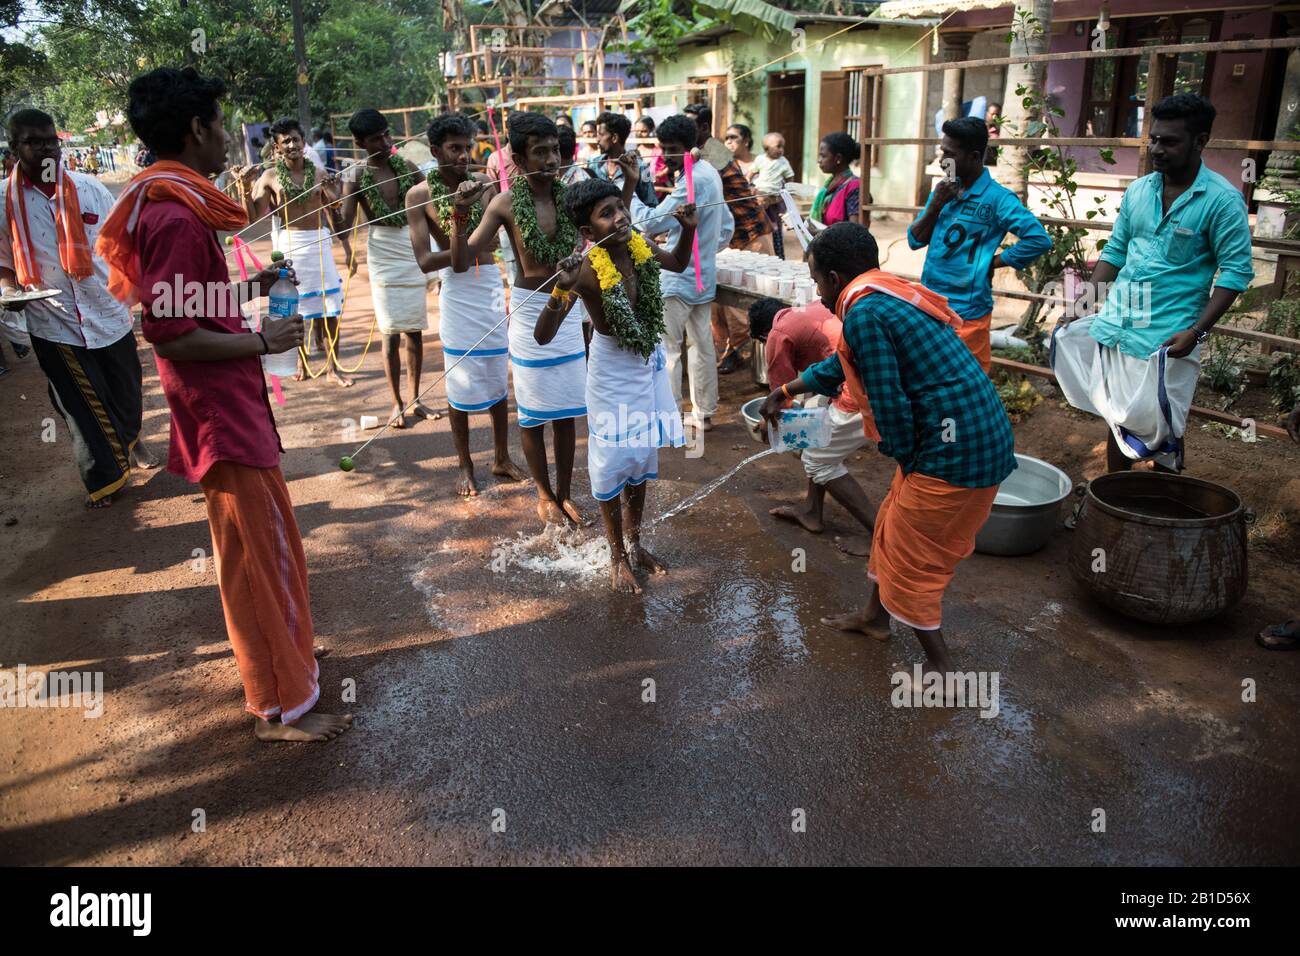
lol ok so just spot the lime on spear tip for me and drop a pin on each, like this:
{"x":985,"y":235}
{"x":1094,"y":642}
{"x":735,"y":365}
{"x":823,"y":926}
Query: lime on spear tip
{"x":346,"y":463}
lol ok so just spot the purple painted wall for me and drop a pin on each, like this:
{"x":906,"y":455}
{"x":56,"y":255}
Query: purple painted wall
{"x":1235,"y":97}
{"x":1087,"y":10}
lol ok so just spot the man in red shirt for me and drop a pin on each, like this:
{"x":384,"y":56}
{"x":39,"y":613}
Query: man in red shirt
{"x":161,"y":241}
{"x":793,"y":340}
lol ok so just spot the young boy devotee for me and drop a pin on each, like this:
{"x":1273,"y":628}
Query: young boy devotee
{"x":631,"y":412}
{"x":550,"y":376}
{"x":795,"y":339}
{"x":471,"y":303}
{"x":163,"y":231}
{"x":397,"y":285}
{"x":938,"y":417}
{"x":1136,"y":363}
{"x":970,"y":215}
{"x":308,"y":213}
{"x":83,"y":340}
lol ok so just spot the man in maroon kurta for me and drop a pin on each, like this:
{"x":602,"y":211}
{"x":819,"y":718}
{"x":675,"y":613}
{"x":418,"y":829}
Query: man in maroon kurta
{"x":162,"y":242}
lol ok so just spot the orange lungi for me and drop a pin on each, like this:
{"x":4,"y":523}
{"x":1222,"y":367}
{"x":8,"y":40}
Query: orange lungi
{"x":925,"y":527}
{"x":262,"y":575}
{"x":975,"y":333}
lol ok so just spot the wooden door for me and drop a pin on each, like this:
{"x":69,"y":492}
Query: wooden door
{"x":785,"y":114}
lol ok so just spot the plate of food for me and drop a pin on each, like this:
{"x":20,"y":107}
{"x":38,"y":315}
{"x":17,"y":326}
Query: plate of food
{"x":29,"y":296}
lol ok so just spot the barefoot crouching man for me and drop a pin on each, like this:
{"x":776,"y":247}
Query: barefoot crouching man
{"x":49,"y":220}
{"x":794,"y":339}
{"x":471,"y":303}
{"x":550,"y":375}
{"x":631,"y":412}
{"x":938,"y":416}
{"x":161,"y":233}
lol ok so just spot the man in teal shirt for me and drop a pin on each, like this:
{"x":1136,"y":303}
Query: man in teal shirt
{"x":969,"y":215}
{"x":1136,"y":362}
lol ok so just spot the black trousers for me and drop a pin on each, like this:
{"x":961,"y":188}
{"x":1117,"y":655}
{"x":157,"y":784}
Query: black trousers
{"x":98,"y":393}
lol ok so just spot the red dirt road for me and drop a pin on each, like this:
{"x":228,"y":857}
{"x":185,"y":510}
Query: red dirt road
{"x":491,"y":692}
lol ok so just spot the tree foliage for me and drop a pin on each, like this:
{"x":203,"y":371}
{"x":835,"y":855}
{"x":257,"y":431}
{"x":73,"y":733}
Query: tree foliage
{"x":79,"y":57}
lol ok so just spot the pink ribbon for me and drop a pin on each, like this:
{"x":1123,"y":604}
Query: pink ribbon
{"x":695,"y":239}
{"x":501,"y":168}
{"x":242,"y":248}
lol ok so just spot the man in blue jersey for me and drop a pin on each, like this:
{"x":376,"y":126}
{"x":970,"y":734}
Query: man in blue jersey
{"x":970,"y":214}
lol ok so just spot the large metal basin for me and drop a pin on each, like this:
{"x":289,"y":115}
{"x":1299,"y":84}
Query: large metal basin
{"x":753,"y":421}
{"x":1027,"y":510}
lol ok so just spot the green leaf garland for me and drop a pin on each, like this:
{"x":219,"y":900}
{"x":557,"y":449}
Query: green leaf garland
{"x":385,"y":215}
{"x":542,"y":248}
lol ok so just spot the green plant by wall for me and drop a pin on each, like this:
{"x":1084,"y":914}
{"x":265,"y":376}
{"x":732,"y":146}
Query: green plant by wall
{"x":1223,"y":369}
{"x":1283,"y":318}
{"x":1284,"y":381}
{"x":746,"y":92}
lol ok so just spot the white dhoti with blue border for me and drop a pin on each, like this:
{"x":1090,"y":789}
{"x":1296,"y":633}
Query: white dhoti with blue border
{"x":471,"y":305}
{"x":1144,"y":401}
{"x":631,"y":414}
{"x":550,"y":380}
{"x":312,"y":253}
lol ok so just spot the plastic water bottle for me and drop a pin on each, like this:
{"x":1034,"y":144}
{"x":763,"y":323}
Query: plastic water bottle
{"x":284,"y":303}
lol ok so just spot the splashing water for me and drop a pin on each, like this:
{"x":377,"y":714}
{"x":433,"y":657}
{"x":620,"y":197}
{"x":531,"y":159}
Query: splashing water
{"x":556,"y":550}
{"x":708,"y":489}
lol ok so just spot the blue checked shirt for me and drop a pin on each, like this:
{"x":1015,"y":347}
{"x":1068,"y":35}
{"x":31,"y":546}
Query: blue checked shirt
{"x":937,"y":412}
{"x":966,"y":238}
{"x":1167,"y":262}
{"x":645,"y":185}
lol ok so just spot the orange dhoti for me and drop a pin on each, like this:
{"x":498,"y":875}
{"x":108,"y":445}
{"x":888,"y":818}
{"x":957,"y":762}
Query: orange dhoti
{"x":975,"y":333}
{"x":262,"y":575}
{"x":925,"y":527}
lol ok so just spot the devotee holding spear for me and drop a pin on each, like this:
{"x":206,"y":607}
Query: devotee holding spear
{"x":308,"y":208}
{"x":161,"y":235}
{"x":550,"y":376}
{"x":938,"y":416}
{"x":397,"y":285}
{"x":475,"y":344}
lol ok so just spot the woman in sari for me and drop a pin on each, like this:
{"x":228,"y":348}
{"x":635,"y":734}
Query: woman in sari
{"x":838,"y":199}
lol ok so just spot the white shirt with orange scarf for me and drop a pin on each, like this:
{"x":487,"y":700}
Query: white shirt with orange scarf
{"x":85,"y":314}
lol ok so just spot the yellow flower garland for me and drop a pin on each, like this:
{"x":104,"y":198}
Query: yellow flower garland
{"x":604,"y":266}
{"x":637,"y":330}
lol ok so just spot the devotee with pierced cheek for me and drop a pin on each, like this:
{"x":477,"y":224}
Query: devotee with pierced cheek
{"x":550,"y":372}
{"x":631,"y":412}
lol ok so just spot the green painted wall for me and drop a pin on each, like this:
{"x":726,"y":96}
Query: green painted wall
{"x":894,"y":181}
